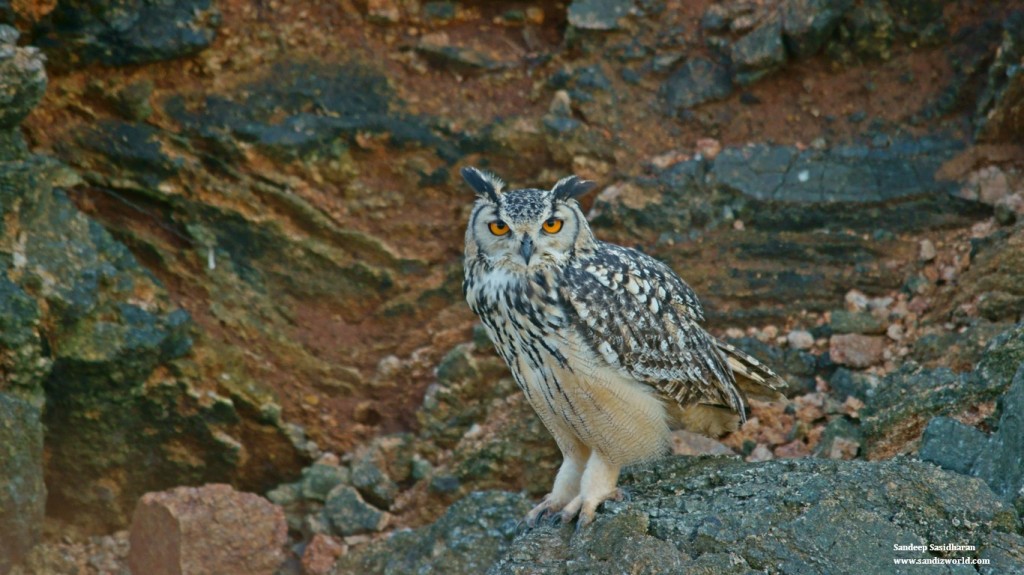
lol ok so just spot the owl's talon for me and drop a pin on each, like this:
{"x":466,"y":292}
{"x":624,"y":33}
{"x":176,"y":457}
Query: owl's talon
{"x":547,"y":508}
{"x":585,"y":519}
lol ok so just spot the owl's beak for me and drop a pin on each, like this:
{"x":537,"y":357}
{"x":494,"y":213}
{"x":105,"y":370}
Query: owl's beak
{"x":526,"y":249}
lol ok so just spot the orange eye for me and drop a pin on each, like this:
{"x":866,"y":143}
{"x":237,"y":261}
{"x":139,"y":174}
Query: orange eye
{"x":552,"y":226}
{"x":498,"y":227}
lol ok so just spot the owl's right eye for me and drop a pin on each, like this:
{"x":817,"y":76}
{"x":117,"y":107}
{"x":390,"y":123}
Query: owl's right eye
{"x":498,"y":227}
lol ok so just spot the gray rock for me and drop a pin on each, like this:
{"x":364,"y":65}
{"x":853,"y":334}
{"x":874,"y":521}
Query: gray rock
{"x":842,"y":439}
{"x":598,"y":14}
{"x":697,"y":81}
{"x":22,"y":491}
{"x":320,"y":478}
{"x":951,"y":445}
{"x":846,"y":383}
{"x":907,"y":399}
{"x":350,"y":515}
{"x":273,"y":114}
{"x":808,"y":24}
{"x":852,"y":174}
{"x":701,"y":515}
{"x":856,"y":322}
{"x":871,"y":32}
{"x":119,"y":33}
{"x":129,"y":148}
{"x":999,"y":109}
{"x":22,"y":84}
{"x":1001,"y":462}
{"x":759,"y":53}
{"x":370,"y":477}
{"x":467,"y":539}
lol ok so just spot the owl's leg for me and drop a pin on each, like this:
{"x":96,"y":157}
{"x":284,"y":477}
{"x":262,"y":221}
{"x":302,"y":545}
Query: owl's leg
{"x":597,"y":484}
{"x":567,"y":483}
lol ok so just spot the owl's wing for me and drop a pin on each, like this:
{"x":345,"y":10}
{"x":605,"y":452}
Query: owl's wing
{"x":643,"y":319}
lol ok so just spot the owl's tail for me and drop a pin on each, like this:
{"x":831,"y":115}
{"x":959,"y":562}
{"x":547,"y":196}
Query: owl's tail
{"x":755,"y":379}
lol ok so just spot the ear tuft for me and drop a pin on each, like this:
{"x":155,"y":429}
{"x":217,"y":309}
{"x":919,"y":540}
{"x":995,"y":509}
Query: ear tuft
{"x":485,"y":184}
{"x":570,"y":187}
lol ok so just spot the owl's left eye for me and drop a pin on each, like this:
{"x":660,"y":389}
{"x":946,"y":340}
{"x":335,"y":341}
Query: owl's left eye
{"x":552,"y":225}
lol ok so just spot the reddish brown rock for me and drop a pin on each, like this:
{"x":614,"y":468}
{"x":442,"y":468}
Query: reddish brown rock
{"x":206,"y":530}
{"x":856,"y":350}
{"x":322,"y":553}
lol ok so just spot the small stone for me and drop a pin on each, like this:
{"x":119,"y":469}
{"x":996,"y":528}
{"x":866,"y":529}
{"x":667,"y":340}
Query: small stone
{"x":319,"y":479}
{"x":843,"y":448}
{"x":350,"y":515}
{"x":369,"y":475}
{"x":133,"y":100}
{"x":322,"y":553}
{"x":758,"y":53}
{"x":708,"y":148}
{"x":856,"y":350}
{"x":927,"y":251}
{"x":796,"y":448}
{"x":561,"y":104}
{"x":895,"y":332}
{"x":209,"y":529}
{"x":668,"y":159}
{"x":697,"y":81}
{"x":856,"y":322}
{"x":800,"y":339}
{"x":761,"y":453}
{"x":856,"y":300}
{"x":689,"y":443}
{"x":952,"y":445}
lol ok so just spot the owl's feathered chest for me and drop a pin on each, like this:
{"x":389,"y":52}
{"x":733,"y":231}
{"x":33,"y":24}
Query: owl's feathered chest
{"x":524,"y":315}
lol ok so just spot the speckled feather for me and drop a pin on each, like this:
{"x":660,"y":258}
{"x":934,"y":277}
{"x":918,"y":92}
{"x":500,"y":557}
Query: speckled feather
{"x":643,"y":319}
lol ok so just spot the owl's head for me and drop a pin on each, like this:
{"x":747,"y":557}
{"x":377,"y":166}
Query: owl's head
{"x":524,"y":229}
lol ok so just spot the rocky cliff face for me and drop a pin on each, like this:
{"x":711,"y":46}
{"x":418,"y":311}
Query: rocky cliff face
{"x":230,"y":238}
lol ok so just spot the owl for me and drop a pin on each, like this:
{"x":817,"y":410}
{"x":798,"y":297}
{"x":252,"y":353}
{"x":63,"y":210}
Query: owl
{"x":605,"y":342}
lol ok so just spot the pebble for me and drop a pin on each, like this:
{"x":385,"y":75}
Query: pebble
{"x":760,"y":453}
{"x":843,"y":448}
{"x":800,"y":339}
{"x":856,"y":300}
{"x":561,"y":104}
{"x":856,"y":350}
{"x":927,"y":251}
{"x":708,"y":147}
{"x":895,"y":332}
{"x":322,"y":553}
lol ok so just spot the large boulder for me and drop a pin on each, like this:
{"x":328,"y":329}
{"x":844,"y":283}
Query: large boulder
{"x":722,"y":515}
{"x":209,"y":529}
{"x":710,"y":515}
{"x":998,"y":459}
